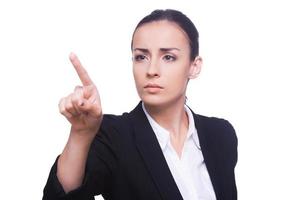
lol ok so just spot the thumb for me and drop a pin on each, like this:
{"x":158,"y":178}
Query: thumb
{"x":89,"y":108}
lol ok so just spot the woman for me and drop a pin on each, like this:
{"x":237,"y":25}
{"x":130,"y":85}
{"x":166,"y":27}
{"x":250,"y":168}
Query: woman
{"x":159,"y":150}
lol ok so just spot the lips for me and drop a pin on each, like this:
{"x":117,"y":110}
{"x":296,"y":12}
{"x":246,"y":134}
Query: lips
{"x":153,"y":85}
{"x":153,"y":88}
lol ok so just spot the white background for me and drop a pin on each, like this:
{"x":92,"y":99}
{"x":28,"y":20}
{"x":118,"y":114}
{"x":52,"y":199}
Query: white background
{"x":250,"y":77}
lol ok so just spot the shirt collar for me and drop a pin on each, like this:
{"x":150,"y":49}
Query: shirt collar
{"x":162,"y":134}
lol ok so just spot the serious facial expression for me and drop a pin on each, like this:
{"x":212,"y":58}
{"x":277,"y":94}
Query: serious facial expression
{"x":161,"y":62}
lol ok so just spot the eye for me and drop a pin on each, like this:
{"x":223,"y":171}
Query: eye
{"x":169,"y":58}
{"x":139,"y":57}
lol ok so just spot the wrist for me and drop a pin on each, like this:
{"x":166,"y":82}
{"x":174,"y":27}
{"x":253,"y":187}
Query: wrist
{"x":80,"y":139}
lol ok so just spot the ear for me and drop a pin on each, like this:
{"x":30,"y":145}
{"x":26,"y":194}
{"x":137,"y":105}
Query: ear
{"x":195,"y":68}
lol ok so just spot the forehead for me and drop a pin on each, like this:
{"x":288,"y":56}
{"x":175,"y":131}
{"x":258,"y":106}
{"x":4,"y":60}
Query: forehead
{"x":160,"y":34}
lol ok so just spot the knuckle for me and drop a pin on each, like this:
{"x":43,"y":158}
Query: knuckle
{"x":61,"y":101}
{"x":68,"y":103}
{"x":61,"y":111}
{"x":78,"y":93}
{"x":78,"y":87}
{"x":68,"y":107}
{"x":74,"y":99}
{"x":98,"y":114}
{"x":64,"y":113}
{"x":88,"y":106}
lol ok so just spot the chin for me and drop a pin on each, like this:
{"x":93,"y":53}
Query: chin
{"x":153,"y":100}
{"x":158,"y":101}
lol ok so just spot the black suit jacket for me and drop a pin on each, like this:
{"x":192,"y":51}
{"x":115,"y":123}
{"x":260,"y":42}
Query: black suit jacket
{"x":126,"y":162}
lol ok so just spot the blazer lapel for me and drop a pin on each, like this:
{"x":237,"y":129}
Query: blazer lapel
{"x":149,"y":148}
{"x":209,"y":157}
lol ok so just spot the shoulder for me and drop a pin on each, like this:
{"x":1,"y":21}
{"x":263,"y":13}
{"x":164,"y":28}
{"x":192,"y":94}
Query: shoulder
{"x":220,"y":136}
{"x":219,"y":130}
{"x":113,"y":125}
{"x":215,"y":124}
{"x":115,"y":121}
{"x":110,"y":134}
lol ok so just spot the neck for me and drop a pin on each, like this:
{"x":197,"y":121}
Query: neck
{"x":171,"y":116}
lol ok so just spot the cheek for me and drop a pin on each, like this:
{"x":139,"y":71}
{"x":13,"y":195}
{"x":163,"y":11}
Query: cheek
{"x":137,"y":74}
{"x":177,"y":75}
{"x":178,"y":82}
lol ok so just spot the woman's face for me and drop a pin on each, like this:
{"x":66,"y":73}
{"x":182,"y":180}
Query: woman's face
{"x":161,"y":62}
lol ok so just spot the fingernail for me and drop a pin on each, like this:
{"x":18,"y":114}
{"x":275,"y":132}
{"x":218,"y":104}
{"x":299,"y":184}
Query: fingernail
{"x":72,"y":56}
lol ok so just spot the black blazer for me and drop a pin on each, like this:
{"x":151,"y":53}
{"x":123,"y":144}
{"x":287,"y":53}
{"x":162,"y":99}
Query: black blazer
{"x":125,"y":161}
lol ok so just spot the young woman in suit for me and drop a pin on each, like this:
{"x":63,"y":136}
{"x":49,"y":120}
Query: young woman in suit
{"x":159,"y":150}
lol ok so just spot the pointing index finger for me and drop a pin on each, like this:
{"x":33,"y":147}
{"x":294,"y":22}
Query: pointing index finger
{"x":82,"y":73}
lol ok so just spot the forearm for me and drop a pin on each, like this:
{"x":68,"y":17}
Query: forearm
{"x":72,"y":161}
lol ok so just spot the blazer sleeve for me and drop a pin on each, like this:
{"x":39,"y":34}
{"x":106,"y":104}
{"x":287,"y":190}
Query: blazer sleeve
{"x":233,"y":145}
{"x":101,"y":163}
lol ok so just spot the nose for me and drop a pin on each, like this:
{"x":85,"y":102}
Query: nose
{"x":153,"y":69}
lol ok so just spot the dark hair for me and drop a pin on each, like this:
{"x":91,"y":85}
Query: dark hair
{"x":181,"y":20}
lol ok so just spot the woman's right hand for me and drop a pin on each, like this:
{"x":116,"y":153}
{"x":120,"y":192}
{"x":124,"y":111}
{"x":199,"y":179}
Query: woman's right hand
{"x":82,"y":108}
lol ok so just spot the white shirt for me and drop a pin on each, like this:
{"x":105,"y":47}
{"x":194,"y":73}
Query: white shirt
{"x":189,"y":171}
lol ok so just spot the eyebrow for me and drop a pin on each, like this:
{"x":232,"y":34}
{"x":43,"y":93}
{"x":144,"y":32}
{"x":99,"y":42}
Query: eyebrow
{"x":161,"y":49}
